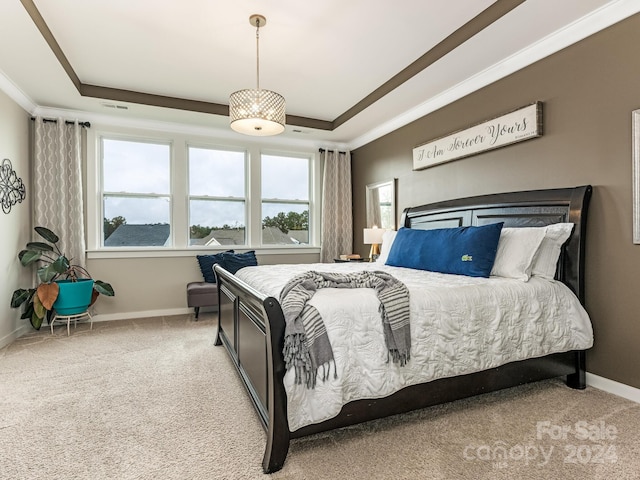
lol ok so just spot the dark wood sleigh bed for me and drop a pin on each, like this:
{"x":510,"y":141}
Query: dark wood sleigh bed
{"x":251,"y":325}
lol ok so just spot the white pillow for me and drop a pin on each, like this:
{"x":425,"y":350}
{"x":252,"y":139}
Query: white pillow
{"x":516,"y":250}
{"x":387,"y":240}
{"x":546,"y":259}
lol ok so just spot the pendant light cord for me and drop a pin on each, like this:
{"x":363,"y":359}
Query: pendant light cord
{"x":258,"y":53}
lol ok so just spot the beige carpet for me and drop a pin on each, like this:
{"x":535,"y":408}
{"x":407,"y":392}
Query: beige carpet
{"x":154,"y":399}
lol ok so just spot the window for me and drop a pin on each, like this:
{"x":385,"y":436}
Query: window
{"x":136,"y":200}
{"x":285,"y":200}
{"x":158,"y":193}
{"x":217,"y":205}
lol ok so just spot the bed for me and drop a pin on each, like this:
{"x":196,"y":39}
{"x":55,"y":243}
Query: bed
{"x":251,"y":323}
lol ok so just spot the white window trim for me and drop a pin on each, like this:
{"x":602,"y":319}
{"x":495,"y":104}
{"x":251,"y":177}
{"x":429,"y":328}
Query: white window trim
{"x":247,"y":163}
{"x":314,"y":189}
{"x":179,"y":216}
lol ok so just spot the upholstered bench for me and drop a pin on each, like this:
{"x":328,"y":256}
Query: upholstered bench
{"x":202,"y":294}
{"x":205,"y":294}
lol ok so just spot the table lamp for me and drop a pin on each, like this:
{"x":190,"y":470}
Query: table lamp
{"x":373,"y":237}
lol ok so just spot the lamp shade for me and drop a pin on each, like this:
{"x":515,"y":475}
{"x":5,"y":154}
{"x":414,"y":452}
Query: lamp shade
{"x":257,"y":112}
{"x":373,"y":235}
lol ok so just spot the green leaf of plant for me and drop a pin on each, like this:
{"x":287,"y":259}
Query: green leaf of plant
{"x":46,"y":274}
{"x":39,"y":310}
{"x":36,"y":321}
{"x":61,"y":264}
{"x":103,"y":288}
{"x":28,"y":312}
{"x":27,"y":257}
{"x":20,"y":296}
{"x":39,"y":246}
{"x":47,"y":234}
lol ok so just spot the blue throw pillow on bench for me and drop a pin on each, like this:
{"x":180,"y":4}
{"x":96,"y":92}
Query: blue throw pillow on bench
{"x":206,"y":263}
{"x":467,"y":251}
{"x":233,"y":262}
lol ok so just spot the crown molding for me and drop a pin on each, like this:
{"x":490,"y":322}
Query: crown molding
{"x":586,"y":26}
{"x":105,"y":121}
{"x":15,"y":94}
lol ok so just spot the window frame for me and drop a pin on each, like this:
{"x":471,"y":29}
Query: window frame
{"x":103,"y":193}
{"x":309,"y":202}
{"x":215,"y":197}
{"x":179,"y":142}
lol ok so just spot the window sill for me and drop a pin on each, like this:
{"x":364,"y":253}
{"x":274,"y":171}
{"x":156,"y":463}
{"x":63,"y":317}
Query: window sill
{"x":191,"y":252}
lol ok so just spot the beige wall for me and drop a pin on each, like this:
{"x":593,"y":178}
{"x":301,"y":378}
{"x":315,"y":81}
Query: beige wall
{"x":589,"y":91}
{"x":155,"y":282}
{"x":147,"y":285}
{"x":14,"y":226}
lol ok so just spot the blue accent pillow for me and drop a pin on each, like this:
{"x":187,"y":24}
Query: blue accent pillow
{"x":467,"y":251}
{"x":206,"y":263}
{"x":235,"y":261}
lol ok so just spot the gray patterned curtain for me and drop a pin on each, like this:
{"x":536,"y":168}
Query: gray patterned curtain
{"x":57,"y":184}
{"x":337,"y":216}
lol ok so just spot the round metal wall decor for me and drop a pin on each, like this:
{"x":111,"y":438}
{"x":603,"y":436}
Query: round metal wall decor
{"x":12,"y":189}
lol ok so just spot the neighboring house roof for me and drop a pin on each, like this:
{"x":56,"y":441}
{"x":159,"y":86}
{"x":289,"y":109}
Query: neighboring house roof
{"x":236,"y":236}
{"x":228,"y":236}
{"x":273,"y":236}
{"x":208,"y":240}
{"x":139,"y":236}
{"x":300,"y":236}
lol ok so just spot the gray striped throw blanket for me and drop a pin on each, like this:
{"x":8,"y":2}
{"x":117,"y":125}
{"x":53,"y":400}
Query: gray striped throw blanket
{"x":306,"y":344}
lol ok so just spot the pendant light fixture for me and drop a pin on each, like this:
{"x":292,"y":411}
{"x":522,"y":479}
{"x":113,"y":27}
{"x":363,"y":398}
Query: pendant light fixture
{"x":257,"y":112}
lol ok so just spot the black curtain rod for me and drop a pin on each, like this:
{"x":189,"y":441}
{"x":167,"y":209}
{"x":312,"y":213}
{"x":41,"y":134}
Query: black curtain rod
{"x":67,"y":122}
{"x":322,"y":150}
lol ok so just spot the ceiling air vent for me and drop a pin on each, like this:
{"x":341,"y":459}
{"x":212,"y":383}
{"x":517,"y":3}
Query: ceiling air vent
{"x":113,"y":105}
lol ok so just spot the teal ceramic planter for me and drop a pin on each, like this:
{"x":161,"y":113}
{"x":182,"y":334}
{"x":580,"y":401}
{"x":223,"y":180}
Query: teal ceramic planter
{"x":74,"y":297}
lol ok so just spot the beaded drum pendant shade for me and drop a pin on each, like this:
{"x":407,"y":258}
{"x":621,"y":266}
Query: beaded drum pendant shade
{"x":257,"y":112}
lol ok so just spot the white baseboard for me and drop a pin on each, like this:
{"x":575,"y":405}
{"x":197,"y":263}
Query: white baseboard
{"x":611,"y":386}
{"x":18,"y":332}
{"x":104,"y":317}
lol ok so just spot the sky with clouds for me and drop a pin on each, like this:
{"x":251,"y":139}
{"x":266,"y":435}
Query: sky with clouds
{"x":144,"y":168}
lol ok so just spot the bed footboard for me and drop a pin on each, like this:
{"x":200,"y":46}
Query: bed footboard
{"x":251,"y":328}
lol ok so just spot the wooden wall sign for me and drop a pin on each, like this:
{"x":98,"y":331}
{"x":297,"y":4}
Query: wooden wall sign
{"x":521,"y":124}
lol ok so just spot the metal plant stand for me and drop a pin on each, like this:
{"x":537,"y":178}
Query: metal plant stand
{"x":70,"y":318}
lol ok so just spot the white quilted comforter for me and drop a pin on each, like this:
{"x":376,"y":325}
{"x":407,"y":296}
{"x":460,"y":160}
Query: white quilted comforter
{"x":459,"y":325}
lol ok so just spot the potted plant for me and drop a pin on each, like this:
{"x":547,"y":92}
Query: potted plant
{"x":58,"y":279}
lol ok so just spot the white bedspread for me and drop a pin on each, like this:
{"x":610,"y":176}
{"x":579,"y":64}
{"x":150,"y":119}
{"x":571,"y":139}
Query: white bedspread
{"x":459,"y":325}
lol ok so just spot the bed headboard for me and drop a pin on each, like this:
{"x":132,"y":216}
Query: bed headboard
{"x":534,"y":208}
